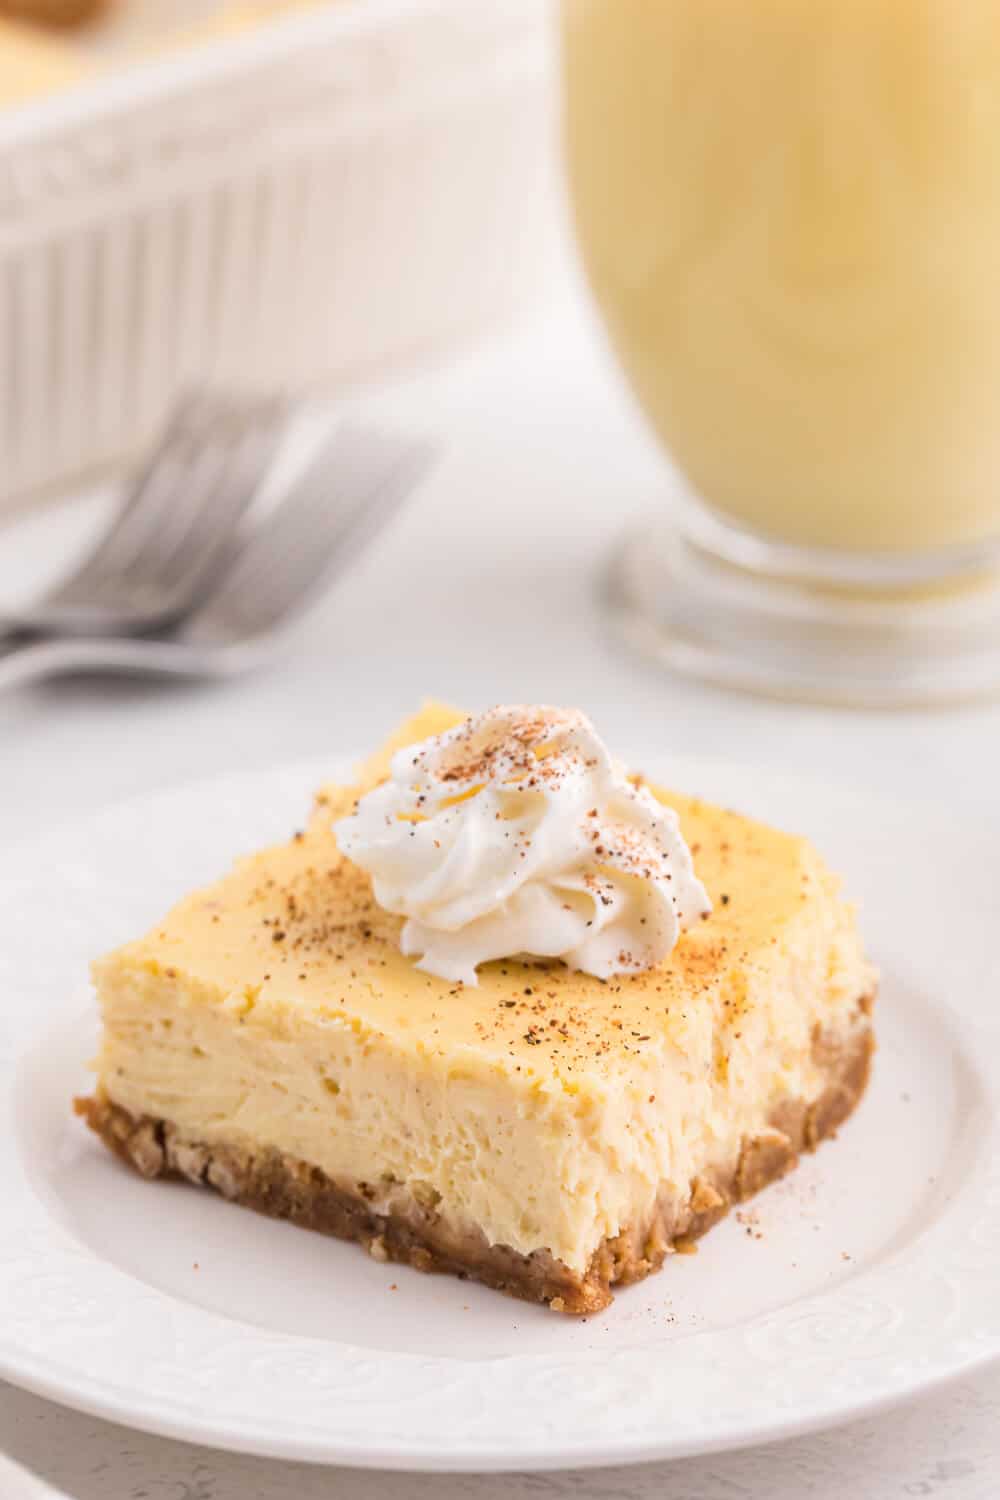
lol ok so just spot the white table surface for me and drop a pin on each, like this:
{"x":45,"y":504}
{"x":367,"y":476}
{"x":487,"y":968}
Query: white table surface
{"x":483,"y":591}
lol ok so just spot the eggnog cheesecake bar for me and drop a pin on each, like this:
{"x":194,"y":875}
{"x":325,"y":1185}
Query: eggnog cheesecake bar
{"x":502,"y":1009}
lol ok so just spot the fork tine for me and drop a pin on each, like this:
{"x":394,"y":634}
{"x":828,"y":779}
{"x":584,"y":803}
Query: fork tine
{"x":206,"y":451}
{"x":143,"y":512}
{"x":181,"y":496}
{"x":225,"y":482}
{"x":347,"y":494}
{"x":324,"y":508}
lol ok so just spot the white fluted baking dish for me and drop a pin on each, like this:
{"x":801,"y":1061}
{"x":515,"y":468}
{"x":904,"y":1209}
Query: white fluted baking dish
{"x":323,"y":197}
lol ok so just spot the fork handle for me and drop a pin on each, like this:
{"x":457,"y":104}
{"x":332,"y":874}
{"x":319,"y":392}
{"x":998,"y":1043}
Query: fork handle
{"x":31,"y":660}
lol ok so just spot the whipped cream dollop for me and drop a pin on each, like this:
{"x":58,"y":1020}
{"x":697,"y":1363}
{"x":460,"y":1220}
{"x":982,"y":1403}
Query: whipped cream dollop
{"x":516,"y":833}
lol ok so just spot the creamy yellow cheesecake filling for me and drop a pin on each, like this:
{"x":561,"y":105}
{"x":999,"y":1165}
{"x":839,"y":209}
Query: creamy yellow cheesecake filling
{"x":545,"y":1107}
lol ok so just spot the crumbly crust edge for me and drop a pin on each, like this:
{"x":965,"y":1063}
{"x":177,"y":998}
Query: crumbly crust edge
{"x":415,"y":1232}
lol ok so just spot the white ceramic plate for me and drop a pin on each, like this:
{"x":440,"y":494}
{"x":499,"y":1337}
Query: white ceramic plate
{"x":866,"y":1277}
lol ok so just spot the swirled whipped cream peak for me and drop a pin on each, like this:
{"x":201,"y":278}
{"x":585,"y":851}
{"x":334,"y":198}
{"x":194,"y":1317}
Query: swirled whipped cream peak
{"x":516,"y":834}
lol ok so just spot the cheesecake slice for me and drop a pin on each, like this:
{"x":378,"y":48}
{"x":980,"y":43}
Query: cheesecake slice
{"x":548,"y":1132}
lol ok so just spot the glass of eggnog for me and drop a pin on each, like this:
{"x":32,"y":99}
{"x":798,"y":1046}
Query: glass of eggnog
{"x":789,"y":213}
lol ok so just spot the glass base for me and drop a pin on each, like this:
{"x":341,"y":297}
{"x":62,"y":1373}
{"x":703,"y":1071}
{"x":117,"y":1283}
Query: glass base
{"x":883,"y":632}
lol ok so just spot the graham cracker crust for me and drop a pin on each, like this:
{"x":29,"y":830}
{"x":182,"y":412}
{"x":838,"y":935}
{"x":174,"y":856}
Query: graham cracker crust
{"x":416,"y":1233}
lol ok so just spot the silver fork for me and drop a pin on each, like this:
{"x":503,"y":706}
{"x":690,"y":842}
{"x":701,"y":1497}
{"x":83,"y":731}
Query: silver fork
{"x":345,"y":497}
{"x":171,"y":539}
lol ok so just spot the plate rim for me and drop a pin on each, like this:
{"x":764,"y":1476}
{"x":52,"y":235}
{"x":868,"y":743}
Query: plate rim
{"x":498,"y":1460}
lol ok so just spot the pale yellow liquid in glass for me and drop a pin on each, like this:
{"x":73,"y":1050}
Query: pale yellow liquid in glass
{"x":790,"y":213}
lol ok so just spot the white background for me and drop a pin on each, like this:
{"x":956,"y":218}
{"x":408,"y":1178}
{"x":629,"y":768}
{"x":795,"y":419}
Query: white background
{"x":485,"y":590}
